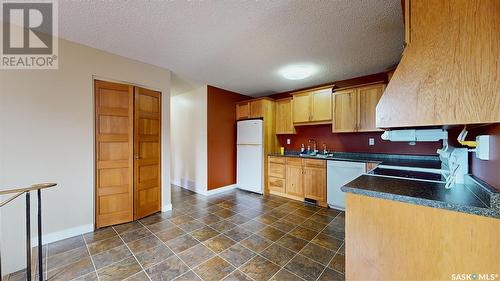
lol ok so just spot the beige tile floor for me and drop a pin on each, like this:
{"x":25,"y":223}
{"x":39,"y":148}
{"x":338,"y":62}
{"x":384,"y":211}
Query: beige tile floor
{"x":231,"y":236}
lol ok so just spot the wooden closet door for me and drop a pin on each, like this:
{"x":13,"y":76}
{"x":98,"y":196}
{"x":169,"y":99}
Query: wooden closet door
{"x":114,"y":153}
{"x":147,"y":148}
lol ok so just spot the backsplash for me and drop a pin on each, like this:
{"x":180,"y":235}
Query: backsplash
{"x":353,"y":142}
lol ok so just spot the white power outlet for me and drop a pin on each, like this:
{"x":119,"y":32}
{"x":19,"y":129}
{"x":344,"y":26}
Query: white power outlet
{"x":288,"y":141}
{"x":483,"y":147}
{"x":371,"y":141}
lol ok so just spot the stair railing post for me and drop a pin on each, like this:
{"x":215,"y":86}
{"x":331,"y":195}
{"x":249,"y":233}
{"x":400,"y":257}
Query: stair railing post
{"x":40,"y":245}
{"x":28,"y":238}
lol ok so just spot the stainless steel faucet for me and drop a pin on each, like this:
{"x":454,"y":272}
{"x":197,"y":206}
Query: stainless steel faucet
{"x":314,"y":145}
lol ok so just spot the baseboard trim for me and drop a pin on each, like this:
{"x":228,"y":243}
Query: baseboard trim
{"x":189,"y":185}
{"x":166,"y":208}
{"x":63,"y":234}
{"x":221,"y":189}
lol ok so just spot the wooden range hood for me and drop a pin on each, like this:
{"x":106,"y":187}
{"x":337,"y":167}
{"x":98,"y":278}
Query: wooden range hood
{"x":450,"y":70}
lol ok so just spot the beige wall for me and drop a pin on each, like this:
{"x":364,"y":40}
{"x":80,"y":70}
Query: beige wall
{"x":47,"y":135}
{"x":189,"y":139}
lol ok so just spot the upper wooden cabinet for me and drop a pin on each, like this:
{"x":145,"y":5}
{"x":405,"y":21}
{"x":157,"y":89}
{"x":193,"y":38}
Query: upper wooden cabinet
{"x":345,"y":111}
{"x":242,"y":110}
{"x":354,"y":109}
{"x":312,"y":107}
{"x":251,"y":109}
{"x":301,"y":112}
{"x":449,"y":73}
{"x":368,"y":98}
{"x":284,"y":119}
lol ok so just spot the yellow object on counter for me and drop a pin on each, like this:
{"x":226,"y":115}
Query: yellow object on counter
{"x":282,"y":150}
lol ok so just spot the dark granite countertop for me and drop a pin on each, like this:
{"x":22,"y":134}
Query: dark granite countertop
{"x":471,"y":197}
{"x":421,"y":161}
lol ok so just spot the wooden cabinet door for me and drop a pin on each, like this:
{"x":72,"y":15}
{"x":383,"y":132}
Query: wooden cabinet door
{"x":276,"y":170}
{"x":256,"y":109}
{"x":276,"y":185}
{"x":294,"y":182}
{"x":284,"y":121}
{"x":368,"y":98}
{"x":321,"y":105}
{"x":114,"y":120}
{"x":147,"y":149}
{"x":315,"y":183}
{"x":242,"y":111}
{"x":301,"y":105}
{"x":344,"y":111}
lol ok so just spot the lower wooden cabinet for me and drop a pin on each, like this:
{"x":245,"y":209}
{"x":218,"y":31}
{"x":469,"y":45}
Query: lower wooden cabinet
{"x":276,"y":185}
{"x":294,"y":183}
{"x":297,"y":178}
{"x":315,"y":184}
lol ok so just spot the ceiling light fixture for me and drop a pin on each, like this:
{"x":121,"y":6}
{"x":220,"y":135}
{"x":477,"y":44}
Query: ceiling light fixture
{"x":297,"y":72}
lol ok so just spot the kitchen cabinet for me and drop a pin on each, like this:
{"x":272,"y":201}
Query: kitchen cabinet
{"x":294,"y":183}
{"x":315,"y":180}
{"x":354,"y":109}
{"x":312,"y":107}
{"x":256,"y":109}
{"x":344,"y":111}
{"x":297,"y":178}
{"x":412,"y":238}
{"x":242,"y":111}
{"x":252,"y":109}
{"x":321,"y":105}
{"x":284,"y":119}
{"x":301,"y":108}
{"x":368,"y":98}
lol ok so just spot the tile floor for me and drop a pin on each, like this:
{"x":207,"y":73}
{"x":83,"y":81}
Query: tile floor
{"x":232,"y":236}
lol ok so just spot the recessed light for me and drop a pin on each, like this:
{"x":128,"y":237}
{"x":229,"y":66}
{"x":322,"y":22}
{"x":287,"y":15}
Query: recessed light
{"x":297,"y":72}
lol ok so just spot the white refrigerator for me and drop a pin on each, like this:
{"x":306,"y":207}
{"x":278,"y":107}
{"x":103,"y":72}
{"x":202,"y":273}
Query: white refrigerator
{"x":250,"y":156}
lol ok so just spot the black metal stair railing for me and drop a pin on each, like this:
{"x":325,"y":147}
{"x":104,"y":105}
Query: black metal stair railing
{"x":26,"y":191}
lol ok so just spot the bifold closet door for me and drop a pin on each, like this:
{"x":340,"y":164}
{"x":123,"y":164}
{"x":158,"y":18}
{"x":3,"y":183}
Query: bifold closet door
{"x":114,"y":132}
{"x":147,"y":149}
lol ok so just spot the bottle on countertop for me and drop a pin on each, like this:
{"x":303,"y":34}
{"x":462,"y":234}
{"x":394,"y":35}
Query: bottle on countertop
{"x":302,"y":148}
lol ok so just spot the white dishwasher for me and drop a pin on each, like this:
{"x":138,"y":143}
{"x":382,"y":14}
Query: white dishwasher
{"x":338,"y":174}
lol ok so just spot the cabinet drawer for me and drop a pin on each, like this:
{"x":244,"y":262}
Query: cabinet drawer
{"x":294,"y":161}
{"x":276,"y":170}
{"x":312,"y":163}
{"x":276,"y":184}
{"x":277,"y":159}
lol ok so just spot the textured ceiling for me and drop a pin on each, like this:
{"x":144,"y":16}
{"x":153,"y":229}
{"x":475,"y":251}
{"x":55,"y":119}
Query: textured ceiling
{"x":241,"y":45}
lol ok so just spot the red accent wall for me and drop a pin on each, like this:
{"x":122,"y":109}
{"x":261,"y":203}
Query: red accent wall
{"x":221,"y":139}
{"x":353,"y":142}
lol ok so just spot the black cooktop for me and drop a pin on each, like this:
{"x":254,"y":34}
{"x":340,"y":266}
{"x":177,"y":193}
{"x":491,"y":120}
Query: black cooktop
{"x":418,"y":175}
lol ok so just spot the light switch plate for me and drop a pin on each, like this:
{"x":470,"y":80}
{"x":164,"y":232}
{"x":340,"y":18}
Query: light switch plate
{"x":371,"y":141}
{"x":288,"y":141}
